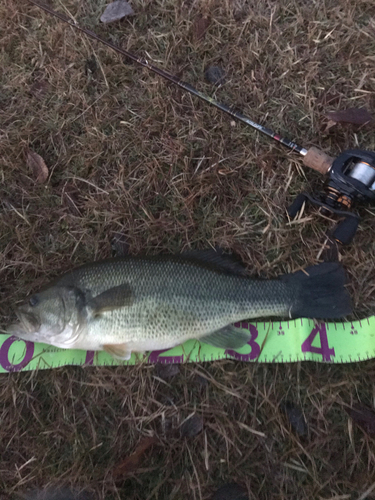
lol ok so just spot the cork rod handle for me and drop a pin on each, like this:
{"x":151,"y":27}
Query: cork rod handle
{"x":318,"y":160}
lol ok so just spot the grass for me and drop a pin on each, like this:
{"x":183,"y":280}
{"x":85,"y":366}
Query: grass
{"x":132,"y":155}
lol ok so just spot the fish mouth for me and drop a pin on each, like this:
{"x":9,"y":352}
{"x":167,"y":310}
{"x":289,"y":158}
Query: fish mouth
{"x":26,"y":328}
{"x":29,"y":328}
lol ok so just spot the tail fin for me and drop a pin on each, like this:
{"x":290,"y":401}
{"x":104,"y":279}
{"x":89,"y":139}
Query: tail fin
{"x":320,"y":292}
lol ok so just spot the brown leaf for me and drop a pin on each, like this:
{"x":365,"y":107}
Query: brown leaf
{"x":364,"y":417}
{"x":166,"y":371}
{"x":354,"y":116}
{"x":133,"y":461}
{"x":215,"y":75}
{"x":57,"y":493}
{"x":231,"y":491}
{"x":115,"y":11}
{"x":192,"y":426}
{"x":295,"y":417}
{"x":38,"y":167}
{"x":329,"y":125}
{"x":200,"y":27}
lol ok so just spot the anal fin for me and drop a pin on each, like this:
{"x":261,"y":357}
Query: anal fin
{"x":118,"y":351}
{"x":228,"y":337}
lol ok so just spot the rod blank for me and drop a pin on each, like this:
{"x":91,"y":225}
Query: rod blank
{"x":172,"y":78}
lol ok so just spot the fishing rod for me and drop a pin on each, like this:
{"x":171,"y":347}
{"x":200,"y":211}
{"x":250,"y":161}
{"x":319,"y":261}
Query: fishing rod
{"x":174,"y":79}
{"x":351,"y":176}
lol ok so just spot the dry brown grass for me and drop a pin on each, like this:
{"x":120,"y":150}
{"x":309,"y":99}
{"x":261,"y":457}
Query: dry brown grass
{"x":129,"y":154}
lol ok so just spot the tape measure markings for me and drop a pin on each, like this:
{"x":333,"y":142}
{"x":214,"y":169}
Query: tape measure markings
{"x":284,"y":342}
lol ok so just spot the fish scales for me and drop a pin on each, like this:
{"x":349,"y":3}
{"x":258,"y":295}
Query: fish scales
{"x":177,"y":298}
{"x":137,"y":304}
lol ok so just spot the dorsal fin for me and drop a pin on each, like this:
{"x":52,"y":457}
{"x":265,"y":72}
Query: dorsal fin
{"x":228,"y":263}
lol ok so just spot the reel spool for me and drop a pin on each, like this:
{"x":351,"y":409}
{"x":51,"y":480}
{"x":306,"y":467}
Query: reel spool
{"x":351,"y":179}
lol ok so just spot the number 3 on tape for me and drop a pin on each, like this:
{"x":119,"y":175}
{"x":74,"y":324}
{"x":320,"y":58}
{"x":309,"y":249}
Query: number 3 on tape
{"x":324,"y":348}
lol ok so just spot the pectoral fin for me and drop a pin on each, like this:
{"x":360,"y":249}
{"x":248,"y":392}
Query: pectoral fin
{"x":118,"y":351}
{"x":111,"y":299}
{"x":228,"y":337}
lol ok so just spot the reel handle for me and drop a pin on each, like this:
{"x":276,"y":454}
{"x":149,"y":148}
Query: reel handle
{"x":318,"y":160}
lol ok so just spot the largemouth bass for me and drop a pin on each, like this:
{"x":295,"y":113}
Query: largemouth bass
{"x":138,"y":304}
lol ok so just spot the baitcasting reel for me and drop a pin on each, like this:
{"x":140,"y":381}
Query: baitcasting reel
{"x":351,"y":179}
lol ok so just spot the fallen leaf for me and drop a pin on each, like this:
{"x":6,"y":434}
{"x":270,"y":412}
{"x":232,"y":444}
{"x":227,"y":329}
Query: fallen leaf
{"x":295,"y":418}
{"x":329,"y":125}
{"x":363,"y":417}
{"x":231,"y":491}
{"x":133,"y":461}
{"x":215,"y":75}
{"x":200,"y":27}
{"x":57,"y":494}
{"x":192,"y":426}
{"x":115,"y":11}
{"x":354,"y":116}
{"x":38,"y":167}
{"x":166,"y":371}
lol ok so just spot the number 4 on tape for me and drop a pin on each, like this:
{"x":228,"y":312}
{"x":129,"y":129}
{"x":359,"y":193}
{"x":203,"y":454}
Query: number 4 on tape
{"x":324,"y":348}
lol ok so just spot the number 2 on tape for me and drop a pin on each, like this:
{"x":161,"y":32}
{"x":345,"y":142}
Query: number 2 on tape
{"x":324,"y":348}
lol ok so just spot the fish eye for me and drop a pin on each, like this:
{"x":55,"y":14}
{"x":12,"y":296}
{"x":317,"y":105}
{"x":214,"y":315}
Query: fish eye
{"x":33,"y":300}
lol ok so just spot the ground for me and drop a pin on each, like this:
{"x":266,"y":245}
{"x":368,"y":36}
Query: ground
{"x":137,"y":164}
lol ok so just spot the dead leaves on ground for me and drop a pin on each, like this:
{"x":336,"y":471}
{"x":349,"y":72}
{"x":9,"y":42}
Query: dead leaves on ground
{"x":215,"y":75}
{"x":231,"y":491}
{"x":192,"y":426}
{"x":116,"y":11}
{"x":37,"y":166}
{"x":295,"y":418}
{"x":166,"y":371}
{"x":363,"y":417}
{"x":352,"y":116}
{"x":200,"y":27}
{"x":133,"y":462}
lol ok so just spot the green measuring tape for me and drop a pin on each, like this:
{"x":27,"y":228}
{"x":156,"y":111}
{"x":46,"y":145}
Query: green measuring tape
{"x":270,"y":342}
